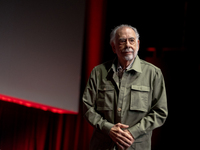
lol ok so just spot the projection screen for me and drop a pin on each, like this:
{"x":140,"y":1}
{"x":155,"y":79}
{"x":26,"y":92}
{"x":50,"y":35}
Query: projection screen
{"x":41,"y":51}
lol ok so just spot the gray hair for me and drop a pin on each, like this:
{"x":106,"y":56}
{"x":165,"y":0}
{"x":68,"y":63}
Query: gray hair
{"x":113,"y":33}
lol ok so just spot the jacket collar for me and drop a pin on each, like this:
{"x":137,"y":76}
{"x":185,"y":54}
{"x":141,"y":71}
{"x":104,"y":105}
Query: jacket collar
{"x":135,"y":66}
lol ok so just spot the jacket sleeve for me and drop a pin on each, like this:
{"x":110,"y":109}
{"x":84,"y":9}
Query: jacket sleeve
{"x":158,"y":112}
{"x":89,"y":99}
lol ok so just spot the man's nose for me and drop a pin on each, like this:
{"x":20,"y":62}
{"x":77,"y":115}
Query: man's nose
{"x":128,"y":44}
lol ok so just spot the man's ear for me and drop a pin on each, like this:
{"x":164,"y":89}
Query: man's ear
{"x":113,"y":47}
{"x":138,"y":44}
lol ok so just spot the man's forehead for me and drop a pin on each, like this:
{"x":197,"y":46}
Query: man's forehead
{"x":125,"y":31}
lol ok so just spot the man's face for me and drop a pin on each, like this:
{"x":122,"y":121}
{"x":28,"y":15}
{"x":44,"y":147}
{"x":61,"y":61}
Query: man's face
{"x":126,"y":44}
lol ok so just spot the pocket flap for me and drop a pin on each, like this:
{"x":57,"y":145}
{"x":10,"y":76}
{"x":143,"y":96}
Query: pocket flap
{"x":140,"y":88}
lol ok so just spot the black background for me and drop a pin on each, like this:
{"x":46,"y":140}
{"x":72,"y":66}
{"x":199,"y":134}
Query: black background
{"x":172,"y":29}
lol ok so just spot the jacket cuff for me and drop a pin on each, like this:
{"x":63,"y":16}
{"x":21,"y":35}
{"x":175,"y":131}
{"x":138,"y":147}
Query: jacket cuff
{"x":106,"y":127}
{"x":135,"y":131}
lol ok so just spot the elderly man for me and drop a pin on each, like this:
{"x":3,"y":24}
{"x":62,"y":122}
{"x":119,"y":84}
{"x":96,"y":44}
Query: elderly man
{"x":124,"y":99}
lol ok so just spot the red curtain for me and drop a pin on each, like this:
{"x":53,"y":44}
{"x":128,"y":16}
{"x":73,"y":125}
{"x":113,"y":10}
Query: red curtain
{"x":23,"y":128}
{"x":26,"y":128}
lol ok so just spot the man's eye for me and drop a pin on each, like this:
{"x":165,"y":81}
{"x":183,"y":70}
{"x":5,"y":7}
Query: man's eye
{"x":122,"y":41}
{"x":131,"y":40}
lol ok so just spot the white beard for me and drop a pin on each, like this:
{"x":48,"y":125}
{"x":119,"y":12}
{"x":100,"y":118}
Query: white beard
{"x":128,"y":57}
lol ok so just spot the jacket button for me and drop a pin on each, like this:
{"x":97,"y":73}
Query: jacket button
{"x":119,"y":109}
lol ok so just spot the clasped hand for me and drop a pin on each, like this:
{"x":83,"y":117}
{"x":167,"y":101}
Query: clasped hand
{"x":121,"y":136}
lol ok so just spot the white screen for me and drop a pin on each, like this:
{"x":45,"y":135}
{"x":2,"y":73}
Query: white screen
{"x":41,"y":51}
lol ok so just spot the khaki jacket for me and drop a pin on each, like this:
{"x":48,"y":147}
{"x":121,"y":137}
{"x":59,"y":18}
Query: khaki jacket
{"x":139,"y":102}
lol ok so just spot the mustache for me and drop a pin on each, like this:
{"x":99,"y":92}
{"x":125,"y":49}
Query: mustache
{"x":128,"y":50}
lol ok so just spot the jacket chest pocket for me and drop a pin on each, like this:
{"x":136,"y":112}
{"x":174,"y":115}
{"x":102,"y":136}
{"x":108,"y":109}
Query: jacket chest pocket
{"x":139,"y":98}
{"x":105,"y":98}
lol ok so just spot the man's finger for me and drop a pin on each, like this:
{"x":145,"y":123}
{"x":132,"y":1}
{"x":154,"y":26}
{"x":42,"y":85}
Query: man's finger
{"x":128,"y":136}
{"x":123,"y":143}
{"x":119,"y":146}
{"x":122,"y":125}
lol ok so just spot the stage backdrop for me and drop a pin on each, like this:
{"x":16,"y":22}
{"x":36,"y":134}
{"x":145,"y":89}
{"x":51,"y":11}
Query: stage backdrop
{"x":41,"y":45}
{"x":27,"y":128}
